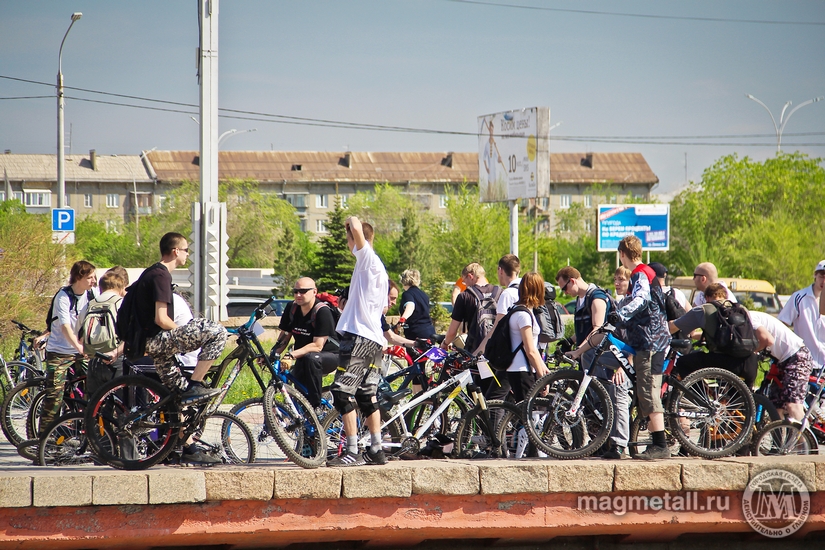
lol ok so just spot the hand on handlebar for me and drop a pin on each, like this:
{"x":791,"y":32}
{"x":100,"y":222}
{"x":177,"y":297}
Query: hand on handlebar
{"x":613,"y":318}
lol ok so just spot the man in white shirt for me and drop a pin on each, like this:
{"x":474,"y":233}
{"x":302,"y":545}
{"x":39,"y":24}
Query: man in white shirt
{"x":704,"y":275}
{"x":661,"y":274}
{"x":802,"y":312}
{"x":361,"y":348}
{"x":793,"y":360}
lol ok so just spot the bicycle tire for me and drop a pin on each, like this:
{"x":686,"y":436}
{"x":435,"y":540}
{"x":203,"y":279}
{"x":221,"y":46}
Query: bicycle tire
{"x":65,"y":442}
{"x":147,"y":440}
{"x":721,"y":430}
{"x":226,"y":437}
{"x":333,"y":427}
{"x":640,"y":438}
{"x":36,"y":409}
{"x":448,"y":421}
{"x":473,"y":440}
{"x":557,"y":434}
{"x":15,"y":410}
{"x":20,"y":371}
{"x":295,"y":426}
{"x":775,"y":439}
{"x":251,"y":412}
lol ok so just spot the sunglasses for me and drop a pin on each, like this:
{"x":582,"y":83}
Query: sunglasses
{"x":698,"y":274}
{"x":301,"y":290}
{"x":564,"y":288}
{"x":183,"y":249}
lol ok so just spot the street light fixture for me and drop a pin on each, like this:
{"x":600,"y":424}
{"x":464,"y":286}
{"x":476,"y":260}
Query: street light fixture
{"x":782,"y":119}
{"x":226,"y":134}
{"x":61,"y":154}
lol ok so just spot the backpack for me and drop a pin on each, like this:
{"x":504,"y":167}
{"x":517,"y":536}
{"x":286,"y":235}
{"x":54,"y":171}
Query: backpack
{"x":128,"y":327}
{"x":319,"y":303}
{"x":485,"y":317}
{"x":672,"y":308}
{"x":51,"y":317}
{"x":98,"y":332}
{"x":728,"y":329}
{"x":548,"y":317}
{"x":499,"y":350}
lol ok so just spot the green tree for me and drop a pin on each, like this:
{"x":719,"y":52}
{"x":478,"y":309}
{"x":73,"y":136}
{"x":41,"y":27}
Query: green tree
{"x":334,"y":262}
{"x":293,"y":258}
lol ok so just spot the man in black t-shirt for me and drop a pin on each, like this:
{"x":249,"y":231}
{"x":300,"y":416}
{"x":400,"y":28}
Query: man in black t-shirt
{"x":466,"y":305}
{"x":311,"y":323}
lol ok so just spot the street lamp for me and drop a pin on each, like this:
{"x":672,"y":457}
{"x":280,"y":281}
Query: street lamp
{"x":226,"y":134}
{"x":61,"y":155}
{"x":782,"y":119}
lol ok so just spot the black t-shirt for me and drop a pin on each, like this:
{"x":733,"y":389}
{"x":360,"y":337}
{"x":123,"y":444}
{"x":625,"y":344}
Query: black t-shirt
{"x":465,"y":308}
{"x":153,"y":285}
{"x":419,"y":324}
{"x":385,"y":326}
{"x":302,"y":329}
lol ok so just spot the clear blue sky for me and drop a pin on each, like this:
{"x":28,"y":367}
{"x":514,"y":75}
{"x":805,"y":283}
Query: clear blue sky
{"x":433,"y":64}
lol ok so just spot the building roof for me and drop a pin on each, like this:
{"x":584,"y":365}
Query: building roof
{"x":110,"y":168}
{"x":314,"y":166}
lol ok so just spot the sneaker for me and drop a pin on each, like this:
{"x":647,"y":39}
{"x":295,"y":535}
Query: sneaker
{"x":198,"y":393}
{"x":654,"y":452}
{"x":377,"y":459}
{"x":199,"y":457}
{"x":346,"y":460}
{"x":614,"y":452}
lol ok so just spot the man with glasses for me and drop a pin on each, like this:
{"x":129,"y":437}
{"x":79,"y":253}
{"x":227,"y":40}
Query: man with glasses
{"x":310,"y":321}
{"x":706,"y":274}
{"x":154,"y":306}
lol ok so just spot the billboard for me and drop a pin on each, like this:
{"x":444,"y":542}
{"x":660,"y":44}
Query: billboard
{"x":513,"y":155}
{"x":649,"y":222}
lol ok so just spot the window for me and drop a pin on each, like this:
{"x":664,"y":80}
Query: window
{"x":112,"y":225}
{"x":543,"y":203}
{"x":112,"y":200}
{"x":564,"y":201}
{"x":87,"y":201}
{"x":68,"y":200}
{"x":2,"y":195}
{"x":639,"y":196}
{"x":321,"y":201}
{"x":344,"y":199}
{"x":442,"y":201}
{"x":37,"y":198}
{"x":18,"y":196}
{"x":588,"y":201}
{"x":588,"y":225}
{"x":298,"y":201}
{"x":162,"y":200}
{"x":303,"y":223}
{"x":320,"y":226}
{"x":564,"y":226}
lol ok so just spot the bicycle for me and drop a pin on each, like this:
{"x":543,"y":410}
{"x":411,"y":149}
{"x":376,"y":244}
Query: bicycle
{"x":27,"y":361}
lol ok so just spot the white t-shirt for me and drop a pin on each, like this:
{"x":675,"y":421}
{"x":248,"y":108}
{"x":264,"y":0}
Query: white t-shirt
{"x":802,"y":311}
{"x":66,"y":310}
{"x":519,"y":320}
{"x":367,"y":297}
{"x":699,"y":297}
{"x":681,"y":298}
{"x":786,"y":343}
{"x":182,"y":316}
{"x":508,"y":297}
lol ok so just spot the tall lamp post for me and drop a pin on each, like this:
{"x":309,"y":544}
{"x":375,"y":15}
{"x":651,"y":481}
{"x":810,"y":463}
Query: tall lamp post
{"x":782,"y":119}
{"x":228,"y":133}
{"x":61,"y":154}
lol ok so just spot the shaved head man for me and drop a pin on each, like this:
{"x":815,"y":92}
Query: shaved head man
{"x":706,"y":274}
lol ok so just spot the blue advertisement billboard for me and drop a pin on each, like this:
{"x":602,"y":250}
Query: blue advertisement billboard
{"x":649,"y":222}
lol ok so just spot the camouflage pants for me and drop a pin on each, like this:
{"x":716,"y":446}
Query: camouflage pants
{"x":57,"y":368}
{"x":201,"y":333}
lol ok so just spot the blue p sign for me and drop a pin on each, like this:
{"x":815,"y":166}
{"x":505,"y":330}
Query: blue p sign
{"x":62,"y":219}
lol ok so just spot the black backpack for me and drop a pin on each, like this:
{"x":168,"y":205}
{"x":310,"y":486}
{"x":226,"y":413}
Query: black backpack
{"x":550,"y":324}
{"x":728,"y":329}
{"x":499,"y":350}
{"x":672,"y":308}
{"x":485,"y":317}
{"x":50,"y":317}
{"x":128,"y":327}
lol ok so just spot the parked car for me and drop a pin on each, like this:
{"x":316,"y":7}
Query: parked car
{"x":244,"y":306}
{"x":762,"y":293}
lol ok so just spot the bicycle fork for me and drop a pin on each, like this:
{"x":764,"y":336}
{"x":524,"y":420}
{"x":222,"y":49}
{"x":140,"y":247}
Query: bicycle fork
{"x":480,"y":402}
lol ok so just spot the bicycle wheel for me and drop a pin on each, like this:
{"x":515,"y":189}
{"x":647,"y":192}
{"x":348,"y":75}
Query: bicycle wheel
{"x":559,"y":434}
{"x":713,"y":416}
{"x":251,"y":412}
{"x":640,"y":438}
{"x":474,"y":436}
{"x":20,"y":371}
{"x":448,"y":420}
{"x":65,"y":443}
{"x":333,"y":427}
{"x":781,"y":438}
{"x":139,"y":415}
{"x":295,"y":426}
{"x":225,"y":436}
{"x":15,"y":410}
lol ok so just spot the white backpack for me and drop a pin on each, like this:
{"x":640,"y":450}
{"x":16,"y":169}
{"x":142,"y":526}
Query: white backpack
{"x":98,"y":332}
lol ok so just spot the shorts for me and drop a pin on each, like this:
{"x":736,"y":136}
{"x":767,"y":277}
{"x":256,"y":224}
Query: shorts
{"x":649,"y":385}
{"x":795,"y":370}
{"x":359,"y":368}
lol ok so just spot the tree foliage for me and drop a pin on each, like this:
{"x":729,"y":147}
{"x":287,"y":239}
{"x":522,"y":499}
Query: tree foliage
{"x":334,"y":262}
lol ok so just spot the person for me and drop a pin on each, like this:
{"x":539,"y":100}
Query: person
{"x":793,"y":361}
{"x":697,"y":319}
{"x":361,"y":347}
{"x":154,"y":308}
{"x":802,"y":312}
{"x":661,"y":274}
{"x":527,"y":366}
{"x":706,"y":274}
{"x":415,"y":307}
{"x":592,"y":306}
{"x":647,"y":333}
{"x":465,"y":310}
{"x":458,"y":288}
{"x":63,"y":349}
{"x":311,"y":323}
{"x":112,"y":289}
{"x":183,"y":314}
{"x":392,"y":337}
{"x":621,"y":281}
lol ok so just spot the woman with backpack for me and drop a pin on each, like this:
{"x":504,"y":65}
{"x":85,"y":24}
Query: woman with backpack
{"x":527,"y":366}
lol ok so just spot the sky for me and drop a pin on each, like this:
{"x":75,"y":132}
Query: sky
{"x":664,"y":78}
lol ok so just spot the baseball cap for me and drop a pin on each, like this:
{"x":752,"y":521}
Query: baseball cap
{"x":820,"y":267}
{"x":660,"y":269}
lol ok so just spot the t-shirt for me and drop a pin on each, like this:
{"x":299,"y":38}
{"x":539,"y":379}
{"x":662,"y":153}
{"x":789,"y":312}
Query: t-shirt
{"x":519,"y":320}
{"x":802,"y":311}
{"x":154,"y":285}
{"x":66,"y":310}
{"x":419,"y":324}
{"x":509,"y":296}
{"x":466,"y":308}
{"x":182,"y":316}
{"x":786,"y":343}
{"x":691,"y":320}
{"x":367,"y":297}
{"x":300,"y":326}
{"x":699,"y":297}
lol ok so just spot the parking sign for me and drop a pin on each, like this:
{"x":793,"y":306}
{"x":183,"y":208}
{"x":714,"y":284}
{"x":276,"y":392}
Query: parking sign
{"x":62,"y":219}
